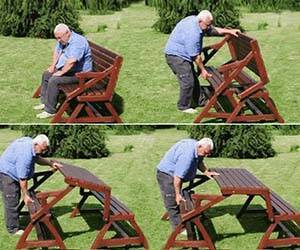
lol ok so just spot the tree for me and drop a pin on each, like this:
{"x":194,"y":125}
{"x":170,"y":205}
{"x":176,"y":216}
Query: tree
{"x":237,"y":141}
{"x":36,"y":18}
{"x":72,"y":141}
{"x":172,"y":11}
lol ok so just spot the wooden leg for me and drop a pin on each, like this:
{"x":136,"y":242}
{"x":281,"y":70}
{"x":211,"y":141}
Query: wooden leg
{"x":37,"y":92}
{"x":114,"y":113}
{"x":207,"y":107}
{"x":245,"y":206}
{"x":273,"y":109}
{"x":75,"y":113}
{"x":22,"y":241}
{"x":235,"y":112}
{"x":55,"y":234}
{"x":171,"y":241}
{"x":100,"y":236}
{"x":76,"y":210}
{"x":204,"y":233}
{"x":264,"y":240}
{"x":139,"y":232}
{"x":58,"y":116}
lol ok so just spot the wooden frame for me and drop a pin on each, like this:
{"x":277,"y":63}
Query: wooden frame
{"x":90,"y":101}
{"x":82,"y":178}
{"x":234,"y":94}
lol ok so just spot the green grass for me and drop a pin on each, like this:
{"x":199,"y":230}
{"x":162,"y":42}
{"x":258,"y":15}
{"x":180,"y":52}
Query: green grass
{"x":149,"y":89}
{"x":132,"y":178}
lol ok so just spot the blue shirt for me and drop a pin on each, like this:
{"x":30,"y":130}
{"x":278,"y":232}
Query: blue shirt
{"x":77,"y":48}
{"x":185,"y":40}
{"x":18,"y":159}
{"x":181,"y":160}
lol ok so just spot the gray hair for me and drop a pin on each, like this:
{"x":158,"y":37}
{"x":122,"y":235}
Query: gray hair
{"x":206,"y":142}
{"x":61,"y":27}
{"x":41,"y":139}
{"x":205,"y":15}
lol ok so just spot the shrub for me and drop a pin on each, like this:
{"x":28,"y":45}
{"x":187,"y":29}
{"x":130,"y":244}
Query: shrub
{"x":237,"y":141}
{"x":72,"y":141}
{"x":172,"y":11}
{"x":36,"y":18}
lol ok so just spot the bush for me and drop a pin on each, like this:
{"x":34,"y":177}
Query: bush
{"x":83,"y":142}
{"x":237,"y":141}
{"x":288,"y":129}
{"x":105,"y":6}
{"x":172,"y":11}
{"x":271,"y":5}
{"x":36,"y":18}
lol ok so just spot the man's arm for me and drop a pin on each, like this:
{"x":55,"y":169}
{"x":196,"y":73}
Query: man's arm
{"x":24,"y":190}
{"x":177,"y":187}
{"x":205,"y":171}
{"x":204,"y":72}
{"x":68,"y":65}
{"x":216,"y":31}
{"x":51,"y":68}
{"x":45,"y":162}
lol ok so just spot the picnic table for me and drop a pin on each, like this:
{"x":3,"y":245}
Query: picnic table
{"x":114,"y":213}
{"x":235,"y":181}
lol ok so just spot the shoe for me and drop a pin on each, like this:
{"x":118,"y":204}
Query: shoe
{"x":39,"y":107}
{"x":44,"y":115}
{"x":189,"y":111}
{"x":19,"y":232}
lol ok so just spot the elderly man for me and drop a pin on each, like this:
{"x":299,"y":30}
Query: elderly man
{"x":179,"y":165}
{"x":183,"y":48}
{"x":16,"y":168}
{"x":72,"y":54}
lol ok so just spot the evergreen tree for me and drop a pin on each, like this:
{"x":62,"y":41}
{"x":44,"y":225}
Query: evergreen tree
{"x":72,"y":141}
{"x":172,"y":11}
{"x":237,"y":141}
{"x":36,"y":18}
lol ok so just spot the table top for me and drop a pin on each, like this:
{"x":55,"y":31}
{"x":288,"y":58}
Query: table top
{"x":238,"y":181}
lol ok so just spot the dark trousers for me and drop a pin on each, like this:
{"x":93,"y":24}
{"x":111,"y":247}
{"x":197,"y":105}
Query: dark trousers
{"x":190,"y":94}
{"x":167,"y":190}
{"x":11,"y":196}
{"x":50,"y":91}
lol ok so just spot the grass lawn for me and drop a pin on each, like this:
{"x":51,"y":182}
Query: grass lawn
{"x":132,"y":178}
{"x":148,"y":87}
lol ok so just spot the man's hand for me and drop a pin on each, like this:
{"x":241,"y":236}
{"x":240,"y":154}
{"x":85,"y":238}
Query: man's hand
{"x":51,"y":69}
{"x":56,"y":165}
{"x":27,"y":199}
{"x":205,"y":74}
{"x":234,"y":32}
{"x":179,"y":198}
{"x":210,"y":174}
{"x":58,"y":73}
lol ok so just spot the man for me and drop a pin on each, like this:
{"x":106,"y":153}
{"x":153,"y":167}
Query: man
{"x":183,"y":48}
{"x":72,"y":54}
{"x":179,"y":165}
{"x":16,"y":168}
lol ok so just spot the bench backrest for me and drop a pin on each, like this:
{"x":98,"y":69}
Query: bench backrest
{"x":240,"y":47}
{"x":104,"y":59}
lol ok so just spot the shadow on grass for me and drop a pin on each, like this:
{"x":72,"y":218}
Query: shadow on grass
{"x":252,"y":222}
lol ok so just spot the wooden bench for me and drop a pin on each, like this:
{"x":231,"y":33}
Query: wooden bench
{"x":235,"y":95}
{"x":114,"y":213}
{"x":47,"y":234}
{"x":90,"y":101}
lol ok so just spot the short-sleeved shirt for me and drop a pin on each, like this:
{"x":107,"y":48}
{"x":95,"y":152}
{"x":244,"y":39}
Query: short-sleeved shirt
{"x":186,"y":39}
{"x":77,"y":48}
{"x":18,"y":159}
{"x":181,"y":160}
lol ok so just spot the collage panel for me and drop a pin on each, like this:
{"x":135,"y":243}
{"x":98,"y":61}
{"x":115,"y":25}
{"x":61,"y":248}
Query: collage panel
{"x":142,"y":61}
{"x":115,"y":186}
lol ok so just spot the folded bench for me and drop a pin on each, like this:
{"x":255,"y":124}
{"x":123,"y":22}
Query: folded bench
{"x":237,"y":89}
{"x":40,"y":219}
